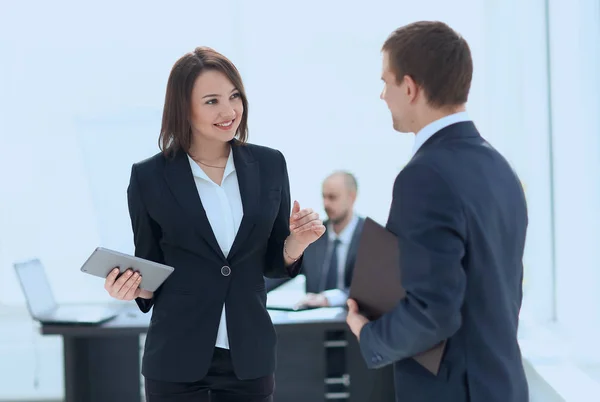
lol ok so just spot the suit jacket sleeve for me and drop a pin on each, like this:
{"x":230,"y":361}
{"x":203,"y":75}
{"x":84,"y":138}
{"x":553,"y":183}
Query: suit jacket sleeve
{"x":146,"y":233}
{"x":275,"y":263}
{"x":430,"y":224}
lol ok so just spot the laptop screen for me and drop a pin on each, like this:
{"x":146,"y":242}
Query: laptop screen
{"x":36,"y":287}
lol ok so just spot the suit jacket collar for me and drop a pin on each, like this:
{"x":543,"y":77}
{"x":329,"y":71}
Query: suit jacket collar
{"x":430,"y":129}
{"x":178,"y":175}
{"x":248,"y":174}
{"x":461,"y":130}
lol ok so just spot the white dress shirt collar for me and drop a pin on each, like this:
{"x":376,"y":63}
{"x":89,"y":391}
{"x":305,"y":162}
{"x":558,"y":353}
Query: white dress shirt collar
{"x":345,"y":235}
{"x":429,"y":130}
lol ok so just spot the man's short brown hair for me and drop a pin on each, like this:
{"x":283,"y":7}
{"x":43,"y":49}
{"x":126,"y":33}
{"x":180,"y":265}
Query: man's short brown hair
{"x":436,"y":57}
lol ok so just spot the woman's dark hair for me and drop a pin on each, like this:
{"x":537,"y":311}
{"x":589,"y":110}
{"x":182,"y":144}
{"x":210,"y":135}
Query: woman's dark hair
{"x":175,"y":132}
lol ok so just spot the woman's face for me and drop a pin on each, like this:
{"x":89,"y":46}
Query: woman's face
{"x":216,"y":108}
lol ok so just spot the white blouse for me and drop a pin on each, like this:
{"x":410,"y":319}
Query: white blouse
{"x":223,"y":206}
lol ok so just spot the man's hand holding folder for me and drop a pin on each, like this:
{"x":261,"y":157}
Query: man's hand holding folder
{"x":356,"y":321}
{"x":377,"y":289}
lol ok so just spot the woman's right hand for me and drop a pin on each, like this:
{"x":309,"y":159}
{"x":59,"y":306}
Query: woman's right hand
{"x":126,"y":286}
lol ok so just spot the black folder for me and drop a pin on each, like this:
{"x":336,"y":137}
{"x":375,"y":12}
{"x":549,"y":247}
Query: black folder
{"x":376,"y":282}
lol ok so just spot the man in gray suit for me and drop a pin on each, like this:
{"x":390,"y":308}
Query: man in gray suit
{"x":328,"y":263}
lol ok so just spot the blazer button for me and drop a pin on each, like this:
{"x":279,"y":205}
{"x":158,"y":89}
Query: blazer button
{"x":225,"y":270}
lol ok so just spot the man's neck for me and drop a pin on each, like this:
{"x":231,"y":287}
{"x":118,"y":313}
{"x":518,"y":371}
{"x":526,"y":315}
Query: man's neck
{"x":431,"y":115}
{"x":338,"y":227}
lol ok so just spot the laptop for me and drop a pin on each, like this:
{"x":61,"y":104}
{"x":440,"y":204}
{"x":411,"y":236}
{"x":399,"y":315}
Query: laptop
{"x":43,"y":307}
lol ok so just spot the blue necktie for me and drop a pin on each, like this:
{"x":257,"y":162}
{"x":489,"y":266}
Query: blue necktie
{"x":331,"y":282}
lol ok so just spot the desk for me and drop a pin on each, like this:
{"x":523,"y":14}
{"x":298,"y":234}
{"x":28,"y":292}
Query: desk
{"x":102,"y":363}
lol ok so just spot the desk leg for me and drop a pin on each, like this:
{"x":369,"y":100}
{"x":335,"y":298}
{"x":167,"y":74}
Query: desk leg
{"x":100,"y":369}
{"x":300,"y":374}
{"x":365,"y":384}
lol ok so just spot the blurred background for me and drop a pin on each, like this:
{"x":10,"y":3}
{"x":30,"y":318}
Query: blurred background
{"x":81,"y":95}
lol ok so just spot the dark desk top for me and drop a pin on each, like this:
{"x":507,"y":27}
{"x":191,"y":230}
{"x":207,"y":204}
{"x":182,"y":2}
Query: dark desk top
{"x":133,"y":322}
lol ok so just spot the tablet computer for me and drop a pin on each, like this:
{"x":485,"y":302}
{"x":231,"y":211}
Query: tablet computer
{"x":103,"y":260}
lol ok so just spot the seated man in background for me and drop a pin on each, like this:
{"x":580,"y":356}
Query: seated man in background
{"x":329,"y":262}
{"x":328,"y":265}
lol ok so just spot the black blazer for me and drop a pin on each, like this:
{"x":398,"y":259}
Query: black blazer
{"x":460,"y":215}
{"x":170,"y":226}
{"x":313,"y":263}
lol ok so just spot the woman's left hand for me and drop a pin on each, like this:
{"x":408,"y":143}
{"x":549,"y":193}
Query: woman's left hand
{"x":305,"y":225}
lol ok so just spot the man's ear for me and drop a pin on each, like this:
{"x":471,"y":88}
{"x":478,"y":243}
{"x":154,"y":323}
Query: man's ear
{"x":410,"y":87}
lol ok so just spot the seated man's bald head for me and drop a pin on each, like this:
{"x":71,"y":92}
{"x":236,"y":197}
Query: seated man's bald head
{"x":339,"y":194}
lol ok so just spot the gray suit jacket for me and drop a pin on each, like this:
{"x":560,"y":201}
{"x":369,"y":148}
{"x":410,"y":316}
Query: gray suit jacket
{"x":313,"y":263}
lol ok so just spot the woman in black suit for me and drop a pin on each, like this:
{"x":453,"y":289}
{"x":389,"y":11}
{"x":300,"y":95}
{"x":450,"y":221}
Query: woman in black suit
{"x":217,"y":209}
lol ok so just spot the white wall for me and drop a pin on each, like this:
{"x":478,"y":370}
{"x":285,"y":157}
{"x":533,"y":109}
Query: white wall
{"x":517,"y":122}
{"x":575,"y":56}
{"x":82,"y":87}
{"x":91,"y":98}
{"x":314,"y":92}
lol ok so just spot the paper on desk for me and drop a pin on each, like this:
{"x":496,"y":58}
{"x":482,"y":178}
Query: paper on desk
{"x":284,"y":298}
{"x":297,"y":284}
{"x":277,"y":315}
{"x":288,"y":294}
{"x":317,"y":313}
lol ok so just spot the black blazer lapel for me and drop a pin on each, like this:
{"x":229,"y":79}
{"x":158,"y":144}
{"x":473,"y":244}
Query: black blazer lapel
{"x":248,"y":175}
{"x":178,"y":175}
{"x":317,"y":264}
